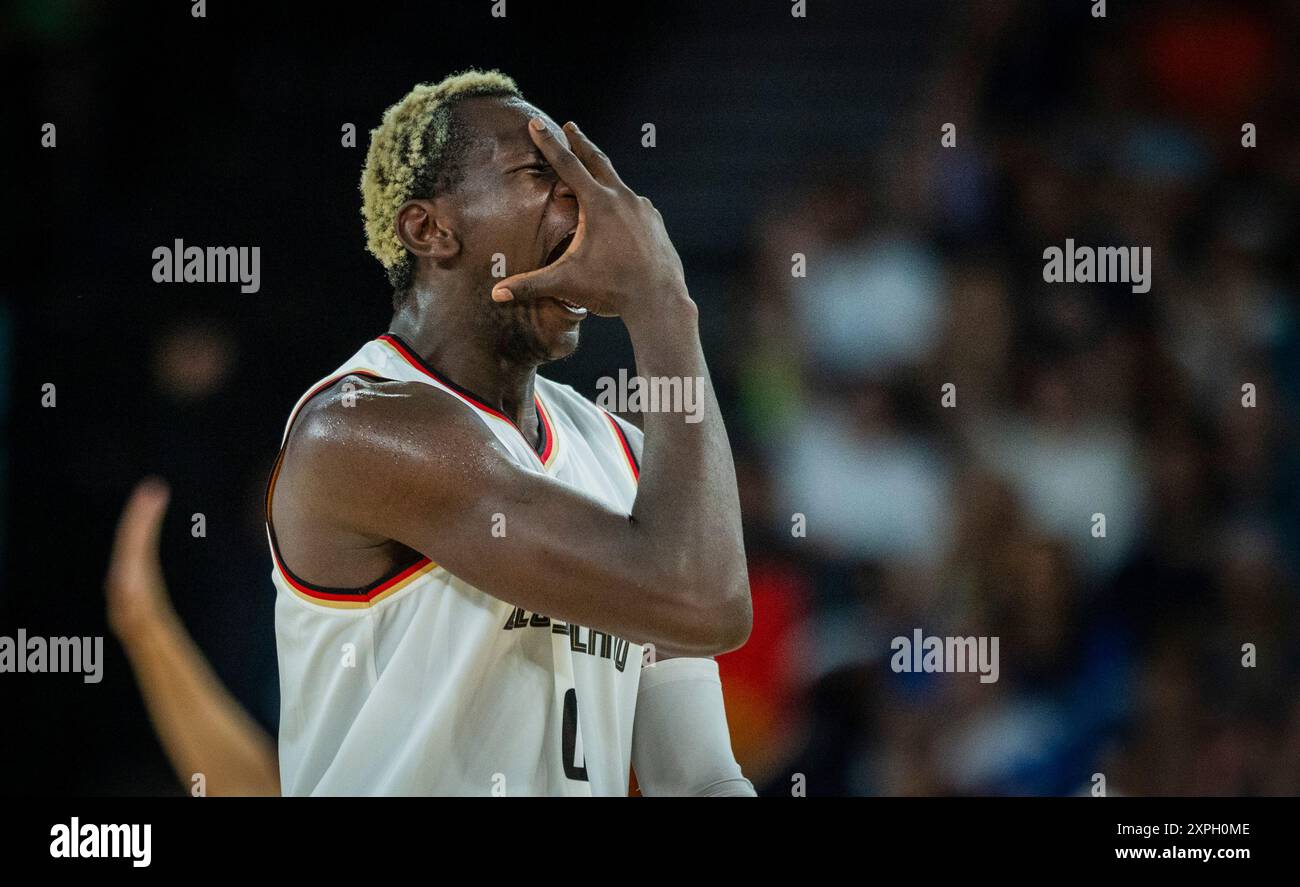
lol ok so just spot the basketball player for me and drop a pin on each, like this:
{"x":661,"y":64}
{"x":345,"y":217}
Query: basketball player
{"x":471,"y":561}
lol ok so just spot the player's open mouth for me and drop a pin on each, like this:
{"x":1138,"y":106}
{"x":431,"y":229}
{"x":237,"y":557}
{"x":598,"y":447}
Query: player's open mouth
{"x":560,"y":248}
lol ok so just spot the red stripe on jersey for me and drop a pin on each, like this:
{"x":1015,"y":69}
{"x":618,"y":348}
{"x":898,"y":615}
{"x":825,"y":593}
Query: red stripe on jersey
{"x":627,"y":447}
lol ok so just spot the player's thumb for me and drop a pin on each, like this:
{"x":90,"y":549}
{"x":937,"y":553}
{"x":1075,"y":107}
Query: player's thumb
{"x":531,"y":284}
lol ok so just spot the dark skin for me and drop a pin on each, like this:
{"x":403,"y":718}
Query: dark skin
{"x":407,"y":468}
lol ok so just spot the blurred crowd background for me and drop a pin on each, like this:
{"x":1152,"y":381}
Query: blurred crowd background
{"x":775,"y":135}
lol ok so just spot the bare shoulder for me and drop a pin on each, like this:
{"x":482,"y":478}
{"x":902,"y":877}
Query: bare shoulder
{"x":365,"y":437}
{"x":355,"y":406}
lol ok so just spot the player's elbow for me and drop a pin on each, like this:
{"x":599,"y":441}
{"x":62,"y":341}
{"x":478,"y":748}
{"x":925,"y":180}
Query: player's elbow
{"x":707,"y":624}
{"x":735,"y":619}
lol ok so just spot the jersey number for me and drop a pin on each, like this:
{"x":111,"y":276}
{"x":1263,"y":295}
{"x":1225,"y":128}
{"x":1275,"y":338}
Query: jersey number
{"x":573,"y":768}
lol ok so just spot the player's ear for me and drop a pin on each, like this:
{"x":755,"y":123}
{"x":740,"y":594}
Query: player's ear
{"x":426,"y":231}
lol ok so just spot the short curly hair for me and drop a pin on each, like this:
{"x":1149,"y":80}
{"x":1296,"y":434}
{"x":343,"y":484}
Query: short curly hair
{"x":416,"y":152}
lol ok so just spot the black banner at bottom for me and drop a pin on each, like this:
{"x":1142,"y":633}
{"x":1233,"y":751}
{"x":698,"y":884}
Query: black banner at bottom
{"x":331,"y":836}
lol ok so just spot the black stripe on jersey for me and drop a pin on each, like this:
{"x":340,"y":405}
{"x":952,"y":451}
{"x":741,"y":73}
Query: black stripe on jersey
{"x":631,"y":453}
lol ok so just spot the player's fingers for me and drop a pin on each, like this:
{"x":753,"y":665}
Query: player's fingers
{"x":565,"y":163}
{"x":136,"y":543}
{"x":594,"y":159}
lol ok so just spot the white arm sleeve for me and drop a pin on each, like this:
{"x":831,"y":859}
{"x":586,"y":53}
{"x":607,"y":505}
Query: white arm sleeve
{"x":680,"y":743}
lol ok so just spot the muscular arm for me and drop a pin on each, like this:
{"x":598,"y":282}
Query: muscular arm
{"x":408,"y":462}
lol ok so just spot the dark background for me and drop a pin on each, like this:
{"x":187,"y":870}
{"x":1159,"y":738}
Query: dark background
{"x":775,"y":135}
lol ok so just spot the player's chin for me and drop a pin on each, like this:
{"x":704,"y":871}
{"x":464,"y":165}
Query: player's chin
{"x":558,"y":328}
{"x":558,"y":344}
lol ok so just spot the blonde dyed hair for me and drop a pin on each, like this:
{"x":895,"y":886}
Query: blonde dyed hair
{"x":414,"y":152}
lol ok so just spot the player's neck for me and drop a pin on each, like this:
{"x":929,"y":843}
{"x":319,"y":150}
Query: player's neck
{"x":466,"y":353}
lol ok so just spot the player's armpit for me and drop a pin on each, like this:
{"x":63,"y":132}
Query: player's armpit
{"x":413,"y":465}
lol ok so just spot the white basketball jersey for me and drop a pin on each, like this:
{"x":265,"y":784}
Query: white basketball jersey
{"x":420,"y":683}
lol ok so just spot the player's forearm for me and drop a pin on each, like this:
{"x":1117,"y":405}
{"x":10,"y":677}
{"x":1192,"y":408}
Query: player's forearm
{"x":680,"y":742}
{"x":687,"y":505}
{"x":202,"y":728}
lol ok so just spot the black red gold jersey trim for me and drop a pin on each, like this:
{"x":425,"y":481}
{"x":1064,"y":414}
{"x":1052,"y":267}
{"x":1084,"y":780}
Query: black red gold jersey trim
{"x":357,"y":597}
{"x":633,"y":465}
{"x":545,"y":446}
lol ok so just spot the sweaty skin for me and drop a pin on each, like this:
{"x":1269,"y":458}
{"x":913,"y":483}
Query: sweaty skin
{"x":400,"y":468}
